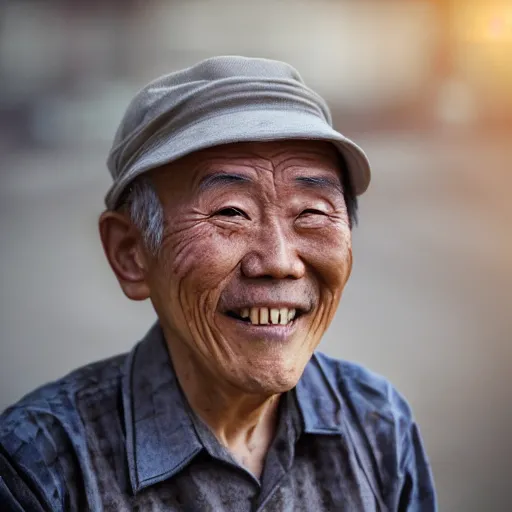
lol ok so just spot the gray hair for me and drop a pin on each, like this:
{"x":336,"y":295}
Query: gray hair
{"x":146,"y":212}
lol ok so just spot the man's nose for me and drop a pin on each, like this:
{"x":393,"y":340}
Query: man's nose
{"x":273,"y":254}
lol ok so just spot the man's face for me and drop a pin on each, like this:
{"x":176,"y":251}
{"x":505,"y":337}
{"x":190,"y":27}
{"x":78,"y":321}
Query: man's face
{"x":255,"y":255}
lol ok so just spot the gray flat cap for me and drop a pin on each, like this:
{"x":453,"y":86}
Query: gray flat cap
{"x":219,"y":101}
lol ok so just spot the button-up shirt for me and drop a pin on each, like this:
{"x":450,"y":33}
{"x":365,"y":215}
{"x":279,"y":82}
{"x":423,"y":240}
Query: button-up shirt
{"x":119,"y":435}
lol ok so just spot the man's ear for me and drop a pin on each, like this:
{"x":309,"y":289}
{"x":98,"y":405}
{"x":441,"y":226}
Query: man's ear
{"x":125,"y":253}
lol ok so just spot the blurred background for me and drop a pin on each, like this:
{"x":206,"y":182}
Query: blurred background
{"x":424,"y":86}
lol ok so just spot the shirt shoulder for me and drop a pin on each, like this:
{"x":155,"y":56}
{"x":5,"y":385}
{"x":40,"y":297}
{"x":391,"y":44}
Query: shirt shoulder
{"x":59,"y":397}
{"x":43,"y":436}
{"x":377,"y":419}
{"x":370,"y":395}
{"x":380,"y":424}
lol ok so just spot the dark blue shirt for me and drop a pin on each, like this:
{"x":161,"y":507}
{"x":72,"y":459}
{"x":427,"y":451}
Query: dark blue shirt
{"x":120,"y":435}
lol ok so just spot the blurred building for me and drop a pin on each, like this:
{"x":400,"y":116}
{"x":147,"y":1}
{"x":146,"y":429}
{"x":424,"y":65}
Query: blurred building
{"x":414,"y":61}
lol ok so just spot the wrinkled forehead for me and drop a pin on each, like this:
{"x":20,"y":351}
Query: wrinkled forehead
{"x":251,"y":158}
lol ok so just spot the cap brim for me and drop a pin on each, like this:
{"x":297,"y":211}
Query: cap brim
{"x":245,"y":126}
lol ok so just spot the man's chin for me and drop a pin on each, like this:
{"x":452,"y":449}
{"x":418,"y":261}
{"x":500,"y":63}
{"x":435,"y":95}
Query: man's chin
{"x":275,"y":378}
{"x":268,"y":359}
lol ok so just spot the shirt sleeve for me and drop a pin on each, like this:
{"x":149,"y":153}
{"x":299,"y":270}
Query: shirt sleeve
{"x":417,"y":492}
{"x":15,"y":492}
{"x":34,"y":450}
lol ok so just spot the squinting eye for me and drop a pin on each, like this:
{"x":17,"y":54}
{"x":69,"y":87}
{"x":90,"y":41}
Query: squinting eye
{"x":231,"y":212}
{"x":311,"y":211}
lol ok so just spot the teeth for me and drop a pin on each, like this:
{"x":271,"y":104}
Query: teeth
{"x":255,"y":314}
{"x":264,"y":316}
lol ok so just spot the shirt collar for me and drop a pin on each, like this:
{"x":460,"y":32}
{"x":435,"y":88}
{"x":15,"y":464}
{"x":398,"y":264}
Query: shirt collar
{"x":160,"y":435}
{"x":319,"y":403}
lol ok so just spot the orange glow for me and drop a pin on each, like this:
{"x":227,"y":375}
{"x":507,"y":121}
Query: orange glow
{"x":489,"y":22}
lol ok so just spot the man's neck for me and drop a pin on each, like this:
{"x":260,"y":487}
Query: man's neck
{"x":244,"y":423}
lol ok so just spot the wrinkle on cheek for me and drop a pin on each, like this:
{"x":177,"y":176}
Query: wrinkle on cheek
{"x":184,"y":247}
{"x":196,"y":317}
{"x":196,"y":280}
{"x":325,"y":313}
{"x":194,"y":248}
{"x":332,"y":257}
{"x":203,"y":330}
{"x":332,"y":262}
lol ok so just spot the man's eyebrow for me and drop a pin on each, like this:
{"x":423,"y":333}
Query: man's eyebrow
{"x":221,"y":178}
{"x":320,"y":182}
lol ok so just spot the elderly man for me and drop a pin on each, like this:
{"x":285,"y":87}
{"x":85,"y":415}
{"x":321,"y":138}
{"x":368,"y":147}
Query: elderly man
{"x":231,"y":210}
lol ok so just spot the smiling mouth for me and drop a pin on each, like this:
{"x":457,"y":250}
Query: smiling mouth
{"x":266,"y":316}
